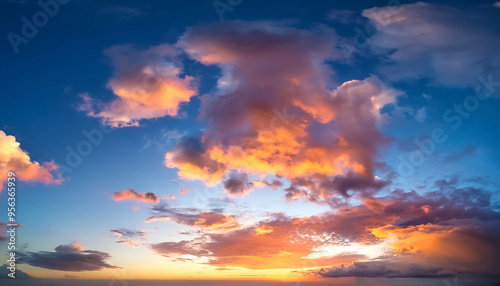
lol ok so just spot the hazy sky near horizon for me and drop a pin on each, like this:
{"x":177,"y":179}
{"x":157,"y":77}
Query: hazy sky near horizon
{"x":323,"y":141}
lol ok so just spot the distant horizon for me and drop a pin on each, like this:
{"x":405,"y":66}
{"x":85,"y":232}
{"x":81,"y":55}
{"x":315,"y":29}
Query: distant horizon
{"x":195,"y":282}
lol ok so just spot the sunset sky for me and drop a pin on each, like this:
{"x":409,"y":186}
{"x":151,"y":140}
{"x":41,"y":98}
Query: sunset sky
{"x":337,"y":142}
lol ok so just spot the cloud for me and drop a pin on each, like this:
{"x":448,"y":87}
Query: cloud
{"x":436,"y":42}
{"x":214,"y":220}
{"x":14,"y":159}
{"x":189,"y":155}
{"x":421,"y":114}
{"x":274,"y":111}
{"x":75,"y":247}
{"x":129,"y":237}
{"x":147,"y":84}
{"x":134,"y":196}
{"x":468,"y":150}
{"x":435,"y":234}
{"x":4,"y":271}
{"x":68,"y":258}
{"x":386,"y":270}
{"x":184,"y":191}
{"x":237,"y":184}
{"x":267,"y":245}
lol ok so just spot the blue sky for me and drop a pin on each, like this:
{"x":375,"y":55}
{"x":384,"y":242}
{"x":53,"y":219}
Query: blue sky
{"x":366,"y":84}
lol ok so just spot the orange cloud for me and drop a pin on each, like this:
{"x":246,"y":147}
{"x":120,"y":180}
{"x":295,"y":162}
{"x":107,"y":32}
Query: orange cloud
{"x":268,"y":245}
{"x":146,"y":84}
{"x":403,"y":234}
{"x":14,"y":159}
{"x":461,"y":248}
{"x":134,"y":196}
{"x":273,"y":113}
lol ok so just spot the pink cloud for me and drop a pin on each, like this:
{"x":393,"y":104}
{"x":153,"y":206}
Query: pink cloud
{"x":132,"y":195}
{"x":14,"y":159}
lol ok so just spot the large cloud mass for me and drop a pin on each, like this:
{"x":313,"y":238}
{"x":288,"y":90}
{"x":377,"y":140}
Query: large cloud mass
{"x":275,"y":110}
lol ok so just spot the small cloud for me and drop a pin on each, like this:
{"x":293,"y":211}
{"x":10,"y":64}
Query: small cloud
{"x":134,"y":196}
{"x":421,"y":114}
{"x":129,"y":237}
{"x":497,"y":4}
{"x":184,"y":191}
{"x":74,"y":247}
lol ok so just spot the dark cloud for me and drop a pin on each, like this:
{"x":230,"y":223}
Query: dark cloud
{"x":237,"y":184}
{"x":386,"y":270}
{"x":68,"y":258}
{"x":4,"y":271}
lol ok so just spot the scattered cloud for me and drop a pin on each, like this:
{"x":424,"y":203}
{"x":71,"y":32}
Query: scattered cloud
{"x":147,"y":84}
{"x":435,"y":234}
{"x":129,"y":237}
{"x":134,"y":196}
{"x":14,"y":159}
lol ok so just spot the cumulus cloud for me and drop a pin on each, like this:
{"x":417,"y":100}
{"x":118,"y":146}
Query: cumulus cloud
{"x":14,"y":159}
{"x":129,"y":237}
{"x":436,"y":42}
{"x":135,"y":196}
{"x":147,"y":84}
{"x":275,"y":111}
{"x":70,"y":257}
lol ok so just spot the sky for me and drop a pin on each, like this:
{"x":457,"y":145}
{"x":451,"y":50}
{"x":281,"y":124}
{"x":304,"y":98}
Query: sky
{"x":262,"y":142}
